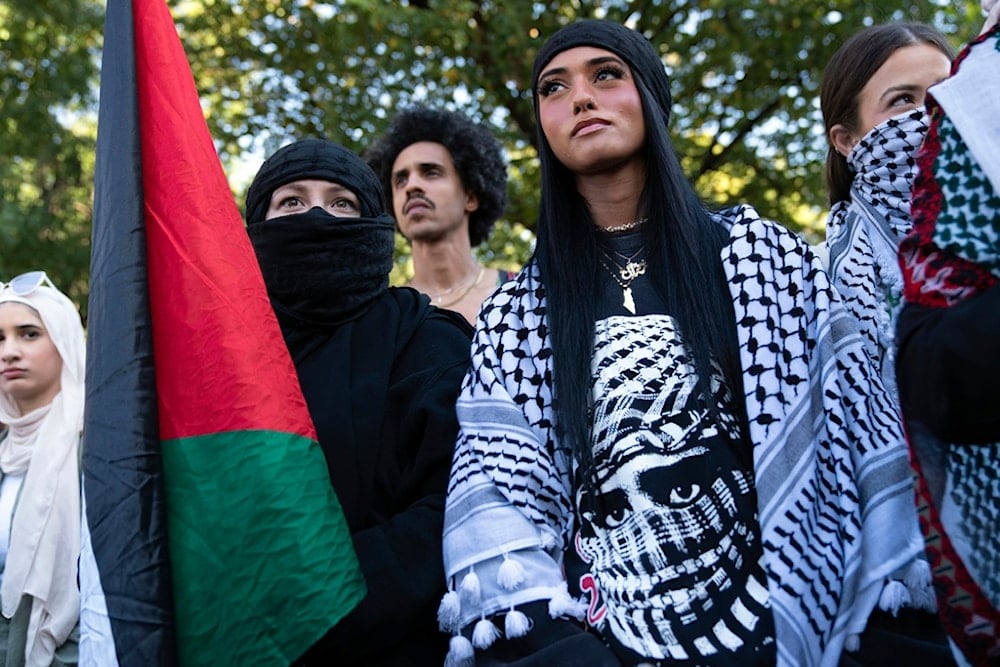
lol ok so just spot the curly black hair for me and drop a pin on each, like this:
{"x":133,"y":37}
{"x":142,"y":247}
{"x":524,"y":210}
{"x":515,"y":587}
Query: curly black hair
{"x":476,"y":152}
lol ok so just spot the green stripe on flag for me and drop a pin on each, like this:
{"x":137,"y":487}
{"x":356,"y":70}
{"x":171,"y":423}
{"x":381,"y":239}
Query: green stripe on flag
{"x":262,"y":561}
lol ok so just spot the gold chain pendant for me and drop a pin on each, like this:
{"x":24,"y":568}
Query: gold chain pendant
{"x":625,"y":275}
{"x":632,"y":270}
{"x":628,"y":302}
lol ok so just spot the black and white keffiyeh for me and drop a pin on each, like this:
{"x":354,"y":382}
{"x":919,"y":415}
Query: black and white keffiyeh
{"x":835,"y":496}
{"x":863,"y":234}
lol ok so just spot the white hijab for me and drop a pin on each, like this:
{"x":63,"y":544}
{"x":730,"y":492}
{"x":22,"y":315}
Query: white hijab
{"x":45,"y":533}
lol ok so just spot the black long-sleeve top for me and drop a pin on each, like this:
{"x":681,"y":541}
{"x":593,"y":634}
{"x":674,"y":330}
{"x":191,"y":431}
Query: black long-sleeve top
{"x":381,"y":390}
{"x":947,"y":368}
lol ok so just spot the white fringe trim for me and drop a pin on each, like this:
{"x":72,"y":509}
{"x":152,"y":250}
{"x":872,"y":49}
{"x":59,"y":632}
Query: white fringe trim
{"x":548,"y":541}
{"x":450,"y":612}
{"x":484,"y":634}
{"x":460,"y":653}
{"x":919,"y":581}
{"x":470,"y":587}
{"x":894,"y":595}
{"x":516,"y":624}
{"x":510,"y":575}
{"x":563,"y":604}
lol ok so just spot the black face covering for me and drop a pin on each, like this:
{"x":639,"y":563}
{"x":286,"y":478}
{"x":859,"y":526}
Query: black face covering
{"x":321,"y":270}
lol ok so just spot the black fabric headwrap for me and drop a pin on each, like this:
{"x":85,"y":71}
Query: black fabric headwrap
{"x":313,"y":159}
{"x":627,"y":44}
{"x":320,"y":270}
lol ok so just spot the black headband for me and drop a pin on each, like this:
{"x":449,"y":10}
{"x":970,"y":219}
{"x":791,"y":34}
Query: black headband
{"x":626,"y":43}
{"x":314,"y":159}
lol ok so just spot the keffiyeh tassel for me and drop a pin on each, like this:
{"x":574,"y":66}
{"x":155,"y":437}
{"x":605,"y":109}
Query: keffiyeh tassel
{"x":471,"y":589}
{"x":914,"y":590}
{"x":460,"y":653}
{"x":548,"y":541}
{"x":450,"y":612}
{"x":918,"y":582}
{"x":516,"y":624}
{"x":894,"y":595}
{"x":564,"y":604}
{"x":510,"y":575}
{"x":484,"y":634}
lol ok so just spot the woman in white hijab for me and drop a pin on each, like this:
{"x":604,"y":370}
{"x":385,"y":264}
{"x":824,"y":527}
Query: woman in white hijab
{"x":41,"y":404}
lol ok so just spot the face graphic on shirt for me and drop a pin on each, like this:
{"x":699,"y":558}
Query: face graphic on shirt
{"x":670,"y":529}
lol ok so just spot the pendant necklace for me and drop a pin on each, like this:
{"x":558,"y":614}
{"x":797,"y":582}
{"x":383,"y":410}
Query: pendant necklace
{"x":626,"y":275}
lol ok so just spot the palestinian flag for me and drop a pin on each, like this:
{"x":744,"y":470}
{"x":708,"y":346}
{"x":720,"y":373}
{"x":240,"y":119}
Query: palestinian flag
{"x":211,"y":535}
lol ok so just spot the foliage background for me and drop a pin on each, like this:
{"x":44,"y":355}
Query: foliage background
{"x":745,"y":80}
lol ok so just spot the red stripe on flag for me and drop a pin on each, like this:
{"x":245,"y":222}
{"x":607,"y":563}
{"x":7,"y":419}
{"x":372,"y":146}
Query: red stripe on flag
{"x":218,"y":367}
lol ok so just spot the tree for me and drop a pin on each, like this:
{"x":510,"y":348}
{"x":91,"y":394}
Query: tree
{"x":745,"y":79}
{"x":49,"y":54}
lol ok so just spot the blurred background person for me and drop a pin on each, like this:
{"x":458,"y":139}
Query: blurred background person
{"x":41,"y":402}
{"x":445,"y":180}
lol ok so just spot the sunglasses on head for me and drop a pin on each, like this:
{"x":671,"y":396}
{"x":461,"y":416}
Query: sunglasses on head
{"x":26,"y":283}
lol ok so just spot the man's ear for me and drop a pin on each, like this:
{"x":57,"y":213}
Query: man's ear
{"x":842,"y":139}
{"x":471,"y":202}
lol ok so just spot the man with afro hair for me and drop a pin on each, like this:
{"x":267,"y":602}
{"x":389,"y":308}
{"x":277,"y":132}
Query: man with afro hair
{"x":445,"y":180}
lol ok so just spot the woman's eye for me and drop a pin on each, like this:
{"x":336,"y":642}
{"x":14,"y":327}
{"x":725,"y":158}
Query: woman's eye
{"x":683,"y":495}
{"x":616,"y":509}
{"x":904,"y":99}
{"x":546,"y":88}
{"x":289,"y":202}
{"x":606,"y":73}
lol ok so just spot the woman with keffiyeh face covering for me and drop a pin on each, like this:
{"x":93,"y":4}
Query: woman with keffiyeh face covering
{"x":380,"y":370}
{"x":872,"y":98}
{"x":873,"y":101}
{"x":673,"y":449}
{"x":41,"y":402}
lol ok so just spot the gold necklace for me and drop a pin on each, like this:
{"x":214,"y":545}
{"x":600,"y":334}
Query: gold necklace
{"x":439,"y":299}
{"x":625,"y":276}
{"x":627,"y":226}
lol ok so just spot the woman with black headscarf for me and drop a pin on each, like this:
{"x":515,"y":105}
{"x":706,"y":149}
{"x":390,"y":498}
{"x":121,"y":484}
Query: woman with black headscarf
{"x":673,"y":448}
{"x":380,"y":370}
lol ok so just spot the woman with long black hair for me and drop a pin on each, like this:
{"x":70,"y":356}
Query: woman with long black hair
{"x":672,"y":446}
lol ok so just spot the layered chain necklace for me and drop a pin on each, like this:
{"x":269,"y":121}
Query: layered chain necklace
{"x":625,"y":275}
{"x":439,"y":299}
